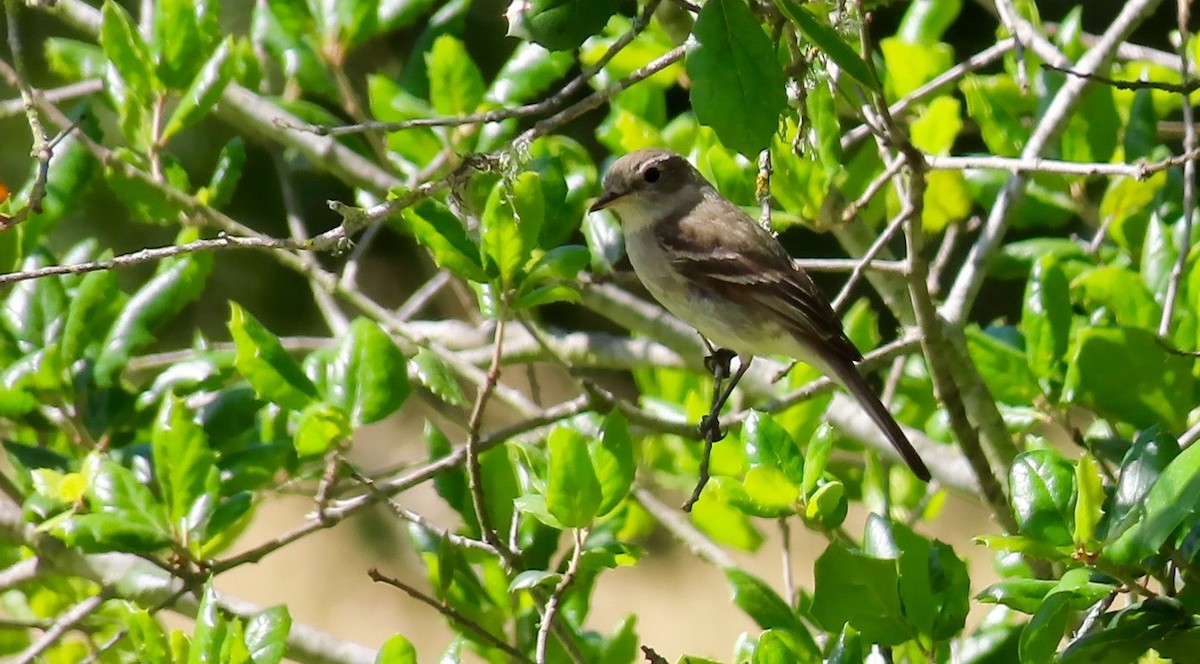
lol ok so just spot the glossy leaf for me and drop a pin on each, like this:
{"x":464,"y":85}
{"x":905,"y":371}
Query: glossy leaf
{"x":184,"y":466}
{"x":431,"y":371}
{"x":1090,"y":491}
{"x":1169,"y":502}
{"x":737,"y":84}
{"x":442,"y":233}
{"x":203,"y":92}
{"x":771,"y":445}
{"x":262,"y":360}
{"x":1042,"y":495}
{"x":1041,"y":635}
{"x":573,"y":494}
{"x":1046,"y":319}
{"x":151,"y":306}
{"x":1151,"y":452}
{"x":321,"y":427}
{"x":369,"y":376}
{"x":397,"y":650}
{"x":1148,"y":386}
{"x":860,"y":590}
{"x":559,"y":25}
{"x":455,"y":84}
{"x":266,"y":635}
{"x":612,"y":458}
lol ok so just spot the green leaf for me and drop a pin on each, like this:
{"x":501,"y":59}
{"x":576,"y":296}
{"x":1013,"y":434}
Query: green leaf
{"x":184,"y":466}
{"x":909,"y":65}
{"x":148,"y":639}
{"x":1122,"y":292}
{"x":723,"y":522}
{"x":126,"y":51}
{"x":829,"y":41}
{"x":226,"y":174}
{"x":559,"y":25}
{"x":771,"y":491}
{"x":1041,"y":635}
{"x":503,"y":239}
{"x":442,"y":233}
{"x":822,"y":113}
{"x":178,"y":45}
{"x":153,"y":304}
{"x":266,"y":635}
{"x":1042,"y":495}
{"x":612,"y":459}
{"x":737,"y":84}
{"x":529,"y":207}
{"x":203,"y":92}
{"x":431,"y":372}
{"x":573,"y":493}
{"x":1151,"y":452}
{"x":320,"y":428}
{"x":862,"y":591}
{"x":397,"y":650}
{"x":125,"y":174}
{"x":528,"y":71}
{"x":938,"y":125}
{"x":124,"y":517}
{"x":926,"y":21}
{"x":262,"y":360}
{"x":211,"y":628}
{"x":369,"y":376}
{"x":1046,"y":320}
{"x":455,"y":84}
{"x":827,"y":505}
{"x":769,"y":444}
{"x":391,"y":103}
{"x":1026,"y":595}
{"x":533,"y":578}
{"x":1003,"y":368}
{"x":1090,"y":490}
{"x":1125,"y":374}
{"x":759,"y":601}
{"x":999,"y":107}
{"x":93,"y":308}
{"x":1092,"y":136}
{"x":74,"y":60}
{"x":1170,"y":502}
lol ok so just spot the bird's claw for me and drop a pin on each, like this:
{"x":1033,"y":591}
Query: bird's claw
{"x":710,"y":428}
{"x":719,"y":363}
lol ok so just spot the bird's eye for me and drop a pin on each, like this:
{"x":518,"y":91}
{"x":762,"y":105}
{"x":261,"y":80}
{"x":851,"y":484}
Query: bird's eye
{"x":652,"y":174}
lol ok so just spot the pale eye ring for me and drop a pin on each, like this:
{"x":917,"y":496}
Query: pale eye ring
{"x":651,"y":174}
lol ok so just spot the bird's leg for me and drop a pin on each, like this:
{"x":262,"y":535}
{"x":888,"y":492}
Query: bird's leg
{"x":710,"y":425}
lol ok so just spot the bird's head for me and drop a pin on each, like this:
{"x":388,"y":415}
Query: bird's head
{"x":647,"y":180}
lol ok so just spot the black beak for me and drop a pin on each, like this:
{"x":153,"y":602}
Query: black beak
{"x":606,"y":199}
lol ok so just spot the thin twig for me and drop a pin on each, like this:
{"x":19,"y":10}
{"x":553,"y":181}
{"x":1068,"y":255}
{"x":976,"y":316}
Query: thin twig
{"x":451,"y":613}
{"x":40,"y":150}
{"x":65,"y":622}
{"x":474,"y":468}
{"x":556,"y":596}
{"x":844,"y":295}
{"x":970,"y":278}
{"x":413,"y":517}
{"x":1184,"y":234}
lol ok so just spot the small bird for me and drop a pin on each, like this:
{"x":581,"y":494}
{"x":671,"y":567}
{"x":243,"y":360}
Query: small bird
{"x":715,"y":268}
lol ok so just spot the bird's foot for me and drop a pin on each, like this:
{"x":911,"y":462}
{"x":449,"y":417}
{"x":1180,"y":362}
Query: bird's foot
{"x":710,"y":428}
{"x":719,"y":364}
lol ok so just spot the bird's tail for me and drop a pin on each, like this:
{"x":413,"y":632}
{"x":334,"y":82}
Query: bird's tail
{"x":847,"y":374}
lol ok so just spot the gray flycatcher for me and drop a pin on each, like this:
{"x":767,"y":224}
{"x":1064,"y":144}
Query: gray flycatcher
{"x":715,"y":268}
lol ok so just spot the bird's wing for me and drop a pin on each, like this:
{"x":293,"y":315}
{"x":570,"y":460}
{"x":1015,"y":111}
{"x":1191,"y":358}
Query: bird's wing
{"x":741,"y":261}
